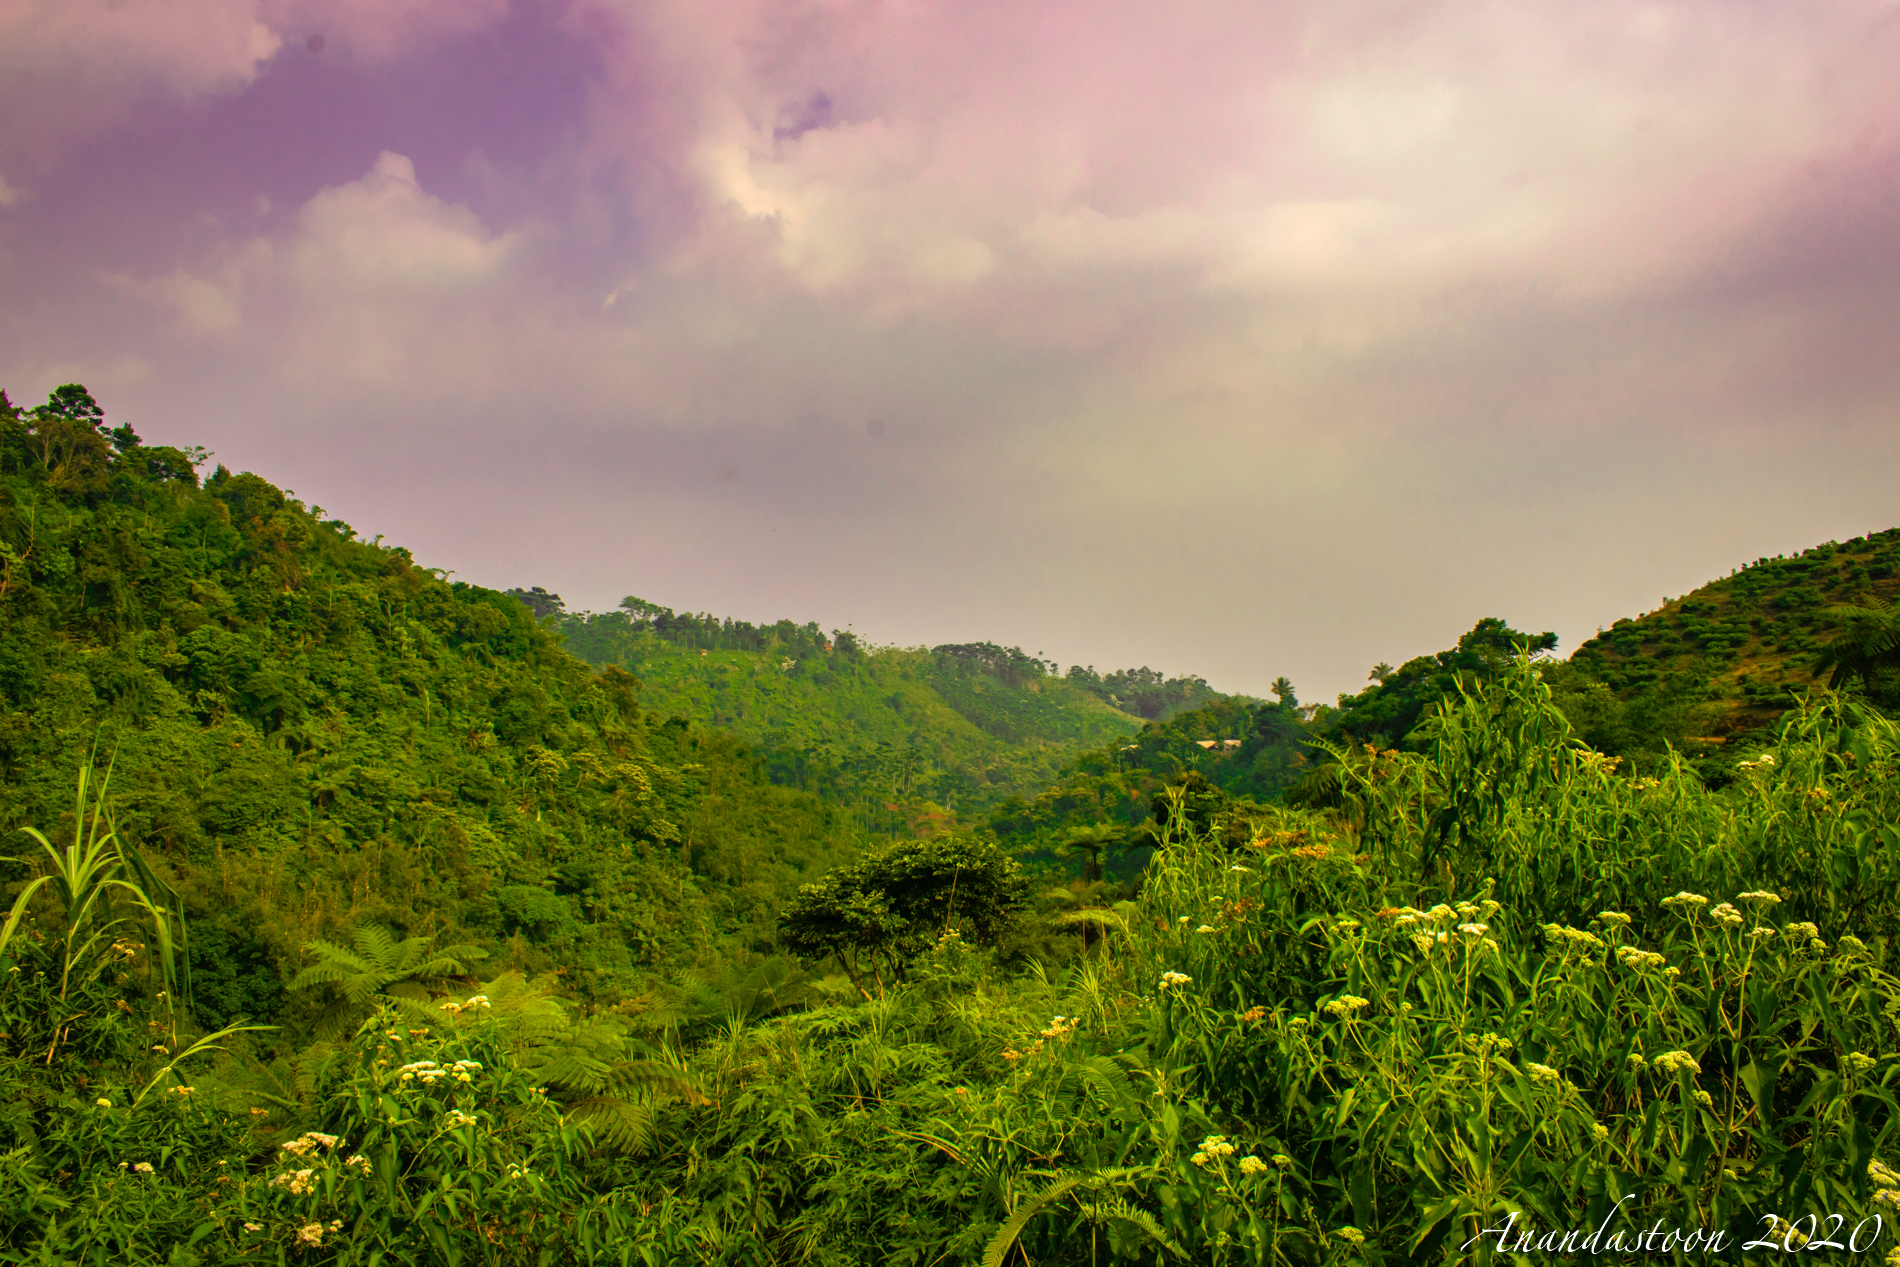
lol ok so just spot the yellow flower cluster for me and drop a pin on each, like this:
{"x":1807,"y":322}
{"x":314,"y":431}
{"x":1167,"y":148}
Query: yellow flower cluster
{"x":298,"y":1181}
{"x":1638,"y":960}
{"x":1346,"y":1004}
{"x":309,"y":1142}
{"x":1174,"y":980}
{"x":1677,"y":1062}
{"x":429,"y":1073}
{"x":1572,"y":939}
{"x":474,"y":1001}
{"x":1214,"y":1146}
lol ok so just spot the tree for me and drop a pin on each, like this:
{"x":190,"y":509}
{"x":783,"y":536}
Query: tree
{"x":539,"y":601}
{"x":1282,"y":689}
{"x":75,"y":404}
{"x":895,"y":900}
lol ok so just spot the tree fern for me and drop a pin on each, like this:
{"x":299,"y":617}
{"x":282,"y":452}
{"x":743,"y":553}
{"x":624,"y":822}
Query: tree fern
{"x":377,"y":965}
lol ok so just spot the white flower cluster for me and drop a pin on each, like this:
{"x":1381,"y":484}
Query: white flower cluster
{"x":310,"y":1235}
{"x":1686,"y":900}
{"x":1174,"y":980}
{"x":455,"y":1117}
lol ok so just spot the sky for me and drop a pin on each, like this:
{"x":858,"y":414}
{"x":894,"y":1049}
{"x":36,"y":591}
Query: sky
{"x":1238,"y":339}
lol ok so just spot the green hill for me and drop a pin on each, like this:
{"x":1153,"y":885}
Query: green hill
{"x":898,"y":734}
{"x":310,"y":731}
{"x":1744,"y":646}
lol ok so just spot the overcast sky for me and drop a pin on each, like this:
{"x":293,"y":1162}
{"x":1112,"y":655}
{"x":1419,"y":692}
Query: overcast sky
{"x":1231,"y":338}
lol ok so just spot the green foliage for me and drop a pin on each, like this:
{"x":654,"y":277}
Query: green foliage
{"x":888,"y":905}
{"x":908,"y":740}
{"x":1717,"y":667}
{"x":1235,"y":753}
{"x":312,"y":734}
{"x":83,"y":878}
{"x":376,"y":965}
{"x":1145,"y":692}
{"x":1385,"y":712}
{"x":1864,"y":648}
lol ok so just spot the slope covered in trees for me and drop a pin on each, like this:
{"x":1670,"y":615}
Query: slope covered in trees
{"x":307,"y":731}
{"x":902,"y":735}
{"x":1741,"y":648}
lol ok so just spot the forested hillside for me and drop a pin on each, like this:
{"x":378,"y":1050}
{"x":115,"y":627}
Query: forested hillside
{"x":1745,"y":646}
{"x":308,"y":731}
{"x":353,"y":922}
{"x":902,"y":735}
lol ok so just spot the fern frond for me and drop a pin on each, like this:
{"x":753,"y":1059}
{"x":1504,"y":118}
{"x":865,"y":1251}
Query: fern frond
{"x":1113,"y":1209}
{"x":1047,"y":1195}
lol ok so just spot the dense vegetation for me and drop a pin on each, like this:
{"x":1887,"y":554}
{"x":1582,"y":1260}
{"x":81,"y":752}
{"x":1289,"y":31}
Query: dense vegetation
{"x":310,"y":732}
{"x":907,"y":738}
{"x":554,"y":977}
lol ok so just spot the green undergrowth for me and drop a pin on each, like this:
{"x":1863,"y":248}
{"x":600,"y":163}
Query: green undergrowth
{"x":1503,"y":984}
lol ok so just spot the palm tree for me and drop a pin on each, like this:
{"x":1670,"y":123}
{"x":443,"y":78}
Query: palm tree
{"x":379,"y":965}
{"x":1866,"y":642}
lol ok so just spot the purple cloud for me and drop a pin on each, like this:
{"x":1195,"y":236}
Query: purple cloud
{"x":1237,"y":338}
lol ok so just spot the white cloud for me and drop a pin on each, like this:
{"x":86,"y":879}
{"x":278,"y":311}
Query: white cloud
{"x":383,"y":234}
